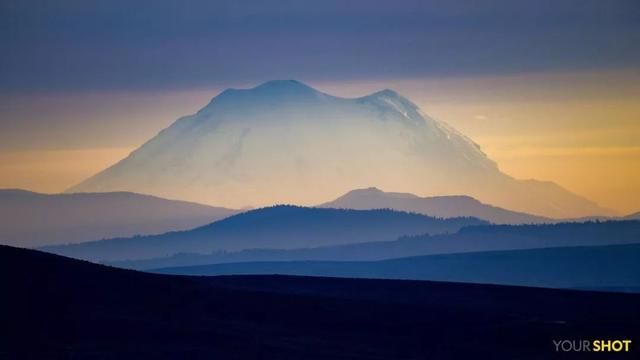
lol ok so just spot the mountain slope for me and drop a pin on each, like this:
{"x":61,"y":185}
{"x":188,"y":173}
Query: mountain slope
{"x":32,"y":219}
{"x":280,"y":227}
{"x":439,"y":206}
{"x":635,"y":216}
{"x":285,"y":142}
{"x":470,"y":239}
{"x":594,"y":267}
{"x":58,"y":308}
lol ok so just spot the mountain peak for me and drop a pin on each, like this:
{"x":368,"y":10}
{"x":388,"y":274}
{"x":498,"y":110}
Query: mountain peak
{"x":370,"y":190}
{"x":268,"y":93}
{"x":374,"y":192}
{"x":273,"y":90}
{"x":279,"y":88}
{"x":284,"y":85}
{"x":387,"y":93}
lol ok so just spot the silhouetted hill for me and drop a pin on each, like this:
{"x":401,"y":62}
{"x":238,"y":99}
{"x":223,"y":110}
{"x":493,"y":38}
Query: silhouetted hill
{"x":31,"y":219}
{"x":470,"y":239}
{"x":58,"y":308}
{"x":595,"y":267}
{"x":438,"y":206}
{"x":280,"y":227}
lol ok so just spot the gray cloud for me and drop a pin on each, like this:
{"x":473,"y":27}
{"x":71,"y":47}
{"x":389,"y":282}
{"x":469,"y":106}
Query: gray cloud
{"x":79,"y":45}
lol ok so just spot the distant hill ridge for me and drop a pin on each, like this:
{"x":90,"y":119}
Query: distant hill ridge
{"x":611,"y":268}
{"x":31,"y":219}
{"x":468,"y":239}
{"x":279,"y":227}
{"x":439,"y":206}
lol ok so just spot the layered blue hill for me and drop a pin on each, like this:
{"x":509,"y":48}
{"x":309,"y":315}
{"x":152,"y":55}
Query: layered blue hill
{"x":278,"y":227}
{"x":468,"y":239}
{"x":614,"y":267}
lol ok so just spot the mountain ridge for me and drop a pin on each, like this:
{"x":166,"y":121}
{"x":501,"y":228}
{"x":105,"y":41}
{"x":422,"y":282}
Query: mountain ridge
{"x":634,"y":216}
{"x":438,"y":206}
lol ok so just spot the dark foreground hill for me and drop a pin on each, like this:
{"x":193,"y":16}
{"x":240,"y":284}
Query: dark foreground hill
{"x":614,"y":267}
{"x":58,"y":308}
{"x":29,"y":219}
{"x":279,"y":227}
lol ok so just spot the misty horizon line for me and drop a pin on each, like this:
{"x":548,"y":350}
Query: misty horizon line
{"x":249,"y":207}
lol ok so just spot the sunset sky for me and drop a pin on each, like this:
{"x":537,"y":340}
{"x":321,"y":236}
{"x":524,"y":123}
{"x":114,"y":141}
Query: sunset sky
{"x":549,"y":89}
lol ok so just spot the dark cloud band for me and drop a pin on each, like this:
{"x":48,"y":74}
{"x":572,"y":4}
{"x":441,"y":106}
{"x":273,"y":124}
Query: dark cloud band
{"x":77,"y":45}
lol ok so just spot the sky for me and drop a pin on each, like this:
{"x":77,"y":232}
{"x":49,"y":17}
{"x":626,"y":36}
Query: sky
{"x":549,"y":89}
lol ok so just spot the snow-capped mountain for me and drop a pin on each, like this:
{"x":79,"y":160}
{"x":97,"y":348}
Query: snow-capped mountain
{"x":285,"y":142}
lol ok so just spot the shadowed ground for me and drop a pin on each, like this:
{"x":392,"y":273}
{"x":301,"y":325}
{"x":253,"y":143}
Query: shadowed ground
{"x":55,"y":307}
